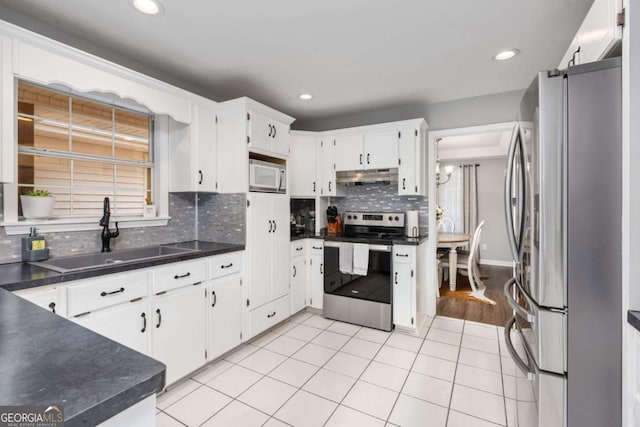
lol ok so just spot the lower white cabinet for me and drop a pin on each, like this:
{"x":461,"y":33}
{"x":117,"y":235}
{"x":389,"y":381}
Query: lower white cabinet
{"x":315,"y":289}
{"x":178,"y":325}
{"x":224,"y":315}
{"x":127,"y":324}
{"x":270,"y":314}
{"x":51,"y":298}
{"x":298,"y":282}
{"x":404,"y":286}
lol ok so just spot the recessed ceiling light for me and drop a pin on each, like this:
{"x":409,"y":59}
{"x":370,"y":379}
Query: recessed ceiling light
{"x":149,"y":7}
{"x":506,"y":54}
{"x":305,"y":96}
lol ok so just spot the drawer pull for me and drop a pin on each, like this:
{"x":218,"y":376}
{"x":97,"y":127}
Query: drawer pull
{"x":271,"y":315}
{"x":52,"y":306}
{"x":182,"y":276}
{"x":144,"y":322}
{"x":321,"y":270}
{"x":316,"y":247}
{"x":159,"y":318}
{"x":299,"y":249}
{"x":403,"y":255}
{"x":104,"y":293}
{"x":215,"y":298}
{"x":227,"y":266}
{"x":396,"y":278}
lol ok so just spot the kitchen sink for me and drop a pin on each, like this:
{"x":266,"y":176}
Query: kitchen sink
{"x":72,"y":263}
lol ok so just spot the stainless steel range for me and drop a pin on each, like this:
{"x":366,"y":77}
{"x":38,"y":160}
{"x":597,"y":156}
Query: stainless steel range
{"x":362,"y":295}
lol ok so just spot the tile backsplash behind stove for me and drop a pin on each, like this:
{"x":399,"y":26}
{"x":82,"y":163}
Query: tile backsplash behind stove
{"x":382,"y":198}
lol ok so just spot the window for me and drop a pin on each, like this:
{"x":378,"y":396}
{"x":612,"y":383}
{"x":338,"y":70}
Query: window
{"x":82,"y":151}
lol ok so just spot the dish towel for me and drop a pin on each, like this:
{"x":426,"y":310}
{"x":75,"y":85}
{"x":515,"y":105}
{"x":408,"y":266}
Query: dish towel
{"x":346,"y":257}
{"x":360,"y":259}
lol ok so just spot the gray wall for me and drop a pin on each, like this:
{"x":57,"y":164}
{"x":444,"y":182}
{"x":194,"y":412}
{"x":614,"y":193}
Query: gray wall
{"x":491,"y":207}
{"x":382,"y":198}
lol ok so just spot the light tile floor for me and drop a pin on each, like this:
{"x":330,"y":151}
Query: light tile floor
{"x":311,"y":371}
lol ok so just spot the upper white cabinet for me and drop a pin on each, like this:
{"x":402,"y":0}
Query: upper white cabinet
{"x":7,"y":113}
{"x":303,"y":166}
{"x":349,"y":151}
{"x":327,"y":168}
{"x":267,"y":135}
{"x":597,"y":36}
{"x":193,"y":151}
{"x":411,"y":162}
{"x":381,"y":149}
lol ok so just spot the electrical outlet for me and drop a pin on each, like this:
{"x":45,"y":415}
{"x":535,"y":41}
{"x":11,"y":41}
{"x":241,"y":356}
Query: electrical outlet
{"x":483,"y":246}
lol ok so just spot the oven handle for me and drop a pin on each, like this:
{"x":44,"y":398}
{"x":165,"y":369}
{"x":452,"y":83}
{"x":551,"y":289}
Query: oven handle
{"x":524,"y":367}
{"x":377,"y":248}
{"x":514,"y":305}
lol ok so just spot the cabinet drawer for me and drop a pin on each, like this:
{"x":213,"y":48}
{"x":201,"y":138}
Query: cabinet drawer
{"x":262,"y":318}
{"x":316,"y":247}
{"x":297,"y":248}
{"x":403,"y":254}
{"x":95,"y":294}
{"x":225,"y":265}
{"x":178,"y":275}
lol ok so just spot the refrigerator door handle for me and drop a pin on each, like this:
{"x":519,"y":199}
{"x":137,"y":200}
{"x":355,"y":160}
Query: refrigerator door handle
{"x":524,"y":367}
{"x":508,"y":194}
{"x":512,"y":302}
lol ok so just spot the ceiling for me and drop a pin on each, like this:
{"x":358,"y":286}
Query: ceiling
{"x":353,"y":55}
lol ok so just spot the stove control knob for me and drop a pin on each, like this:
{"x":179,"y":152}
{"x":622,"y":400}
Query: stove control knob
{"x":397,"y":219}
{"x":349,"y":217}
{"x":355,"y":217}
{"x":390,"y":218}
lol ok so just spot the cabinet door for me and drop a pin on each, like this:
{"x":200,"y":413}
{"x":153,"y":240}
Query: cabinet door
{"x":328,"y":173}
{"x":206,"y":142}
{"x":280,"y":139}
{"x":224,"y":316}
{"x":316,"y":288}
{"x":349,"y":152}
{"x":52,"y":299}
{"x":409,"y":160}
{"x":599,"y":32}
{"x":7,"y":112}
{"x":259,"y":248}
{"x":127,"y":324}
{"x":403,"y":314}
{"x":381,"y":150}
{"x":302,"y":167}
{"x":178,"y":325}
{"x":281,"y":246}
{"x":298,"y":284}
{"x":260,"y":132}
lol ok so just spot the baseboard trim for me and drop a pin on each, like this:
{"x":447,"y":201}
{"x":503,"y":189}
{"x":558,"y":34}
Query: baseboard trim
{"x":496,"y":262}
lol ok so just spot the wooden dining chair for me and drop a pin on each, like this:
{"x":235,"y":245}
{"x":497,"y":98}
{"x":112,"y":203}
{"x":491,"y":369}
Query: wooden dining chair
{"x":469,"y":263}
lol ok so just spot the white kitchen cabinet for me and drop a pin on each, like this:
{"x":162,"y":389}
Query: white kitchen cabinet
{"x":412,"y":163}
{"x":315,"y":277}
{"x":404,"y":286}
{"x":193,"y":151}
{"x":598,"y":35}
{"x":349,"y":151}
{"x":381,"y":149}
{"x":267,"y":134}
{"x":178,"y":325}
{"x":327,"y":173}
{"x":298,"y":280}
{"x":7,"y":113}
{"x":224,"y":315}
{"x":303,"y":166}
{"x":52,"y":298}
{"x":127,"y":324}
{"x":267,"y":248}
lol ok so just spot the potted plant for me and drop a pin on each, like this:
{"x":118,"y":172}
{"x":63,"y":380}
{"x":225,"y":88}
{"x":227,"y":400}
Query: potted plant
{"x":37,"y":204}
{"x":149,"y":209}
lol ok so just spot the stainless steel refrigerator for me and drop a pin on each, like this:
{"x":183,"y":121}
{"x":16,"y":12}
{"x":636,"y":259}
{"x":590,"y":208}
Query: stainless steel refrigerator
{"x":563,"y":209}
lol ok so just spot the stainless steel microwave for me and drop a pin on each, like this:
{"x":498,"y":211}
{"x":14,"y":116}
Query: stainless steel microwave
{"x":267,"y":177}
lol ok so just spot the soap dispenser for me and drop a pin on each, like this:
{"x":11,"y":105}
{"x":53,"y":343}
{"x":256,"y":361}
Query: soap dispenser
{"x":34,"y":247}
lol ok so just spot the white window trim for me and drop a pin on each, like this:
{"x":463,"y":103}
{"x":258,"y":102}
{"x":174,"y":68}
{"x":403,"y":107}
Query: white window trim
{"x":13,"y":226}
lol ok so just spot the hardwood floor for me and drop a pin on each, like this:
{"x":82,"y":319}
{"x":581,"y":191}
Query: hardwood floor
{"x":497,"y":314}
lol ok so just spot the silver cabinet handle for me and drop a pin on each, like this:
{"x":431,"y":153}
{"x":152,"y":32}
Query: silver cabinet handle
{"x":524,"y":367}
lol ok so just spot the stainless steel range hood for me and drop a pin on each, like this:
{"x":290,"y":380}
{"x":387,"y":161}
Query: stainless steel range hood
{"x":375,"y":176}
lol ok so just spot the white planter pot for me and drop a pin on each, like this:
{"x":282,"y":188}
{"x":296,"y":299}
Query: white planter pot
{"x":34,"y":207}
{"x":149,"y":211}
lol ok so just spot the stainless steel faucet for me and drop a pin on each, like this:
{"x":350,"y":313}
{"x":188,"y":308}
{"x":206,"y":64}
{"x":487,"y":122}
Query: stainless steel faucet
{"x":107,"y":234}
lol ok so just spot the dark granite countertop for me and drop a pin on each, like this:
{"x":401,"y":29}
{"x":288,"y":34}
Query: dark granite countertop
{"x":48,"y":360}
{"x":633,"y":317}
{"x":20,"y":275}
{"x":339,"y":238}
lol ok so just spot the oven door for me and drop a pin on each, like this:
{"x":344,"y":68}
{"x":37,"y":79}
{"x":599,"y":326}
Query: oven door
{"x":543,"y":331}
{"x":540,"y":396}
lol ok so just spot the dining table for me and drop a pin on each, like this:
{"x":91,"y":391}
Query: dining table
{"x":451,"y":241}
